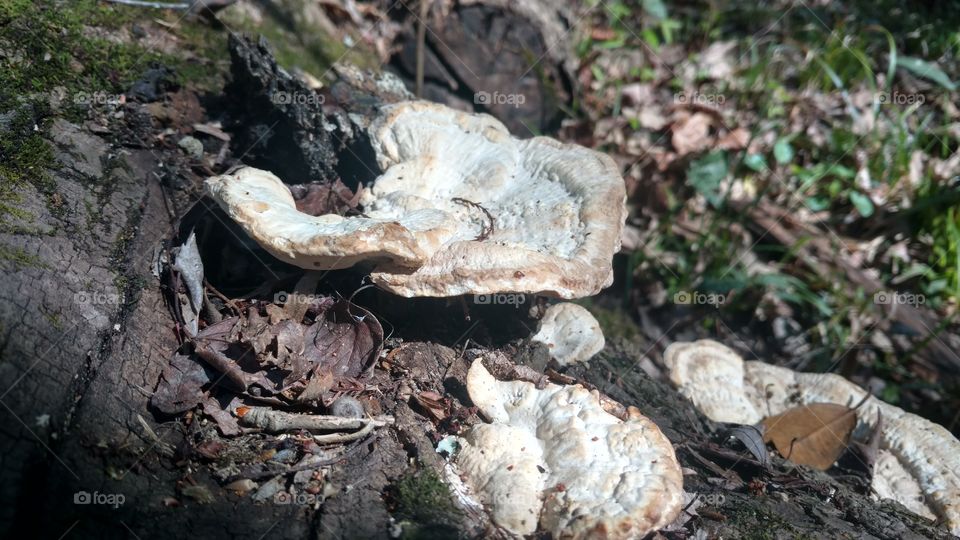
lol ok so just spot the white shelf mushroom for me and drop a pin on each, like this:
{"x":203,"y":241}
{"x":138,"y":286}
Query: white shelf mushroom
{"x":461,"y":208}
{"x":554,"y":458}
{"x":570,"y":333}
{"x":920,"y":456}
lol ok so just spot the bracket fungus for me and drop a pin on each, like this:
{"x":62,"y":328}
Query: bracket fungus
{"x":462,"y":207}
{"x":914,"y":450}
{"x":553,"y":458}
{"x":570,"y":332}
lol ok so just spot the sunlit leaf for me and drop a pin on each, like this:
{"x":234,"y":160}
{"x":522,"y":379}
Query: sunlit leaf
{"x":816,"y":204}
{"x":862,"y":203}
{"x":705,"y":175}
{"x":655,"y":8}
{"x":926,"y":70}
{"x":814,"y":435}
{"x":755,"y":162}
{"x":783,"y":151}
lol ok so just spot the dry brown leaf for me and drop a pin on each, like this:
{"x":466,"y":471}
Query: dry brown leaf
{"x":692,"y":134}
{"x":603,"y":34}
{"x":181,"y":384}
{"x":813,"y":435}
{"x":318,"y":385}
{"x":319,"y":199}
{"x":223,"y":414}
{"x":734,"y":140}
{"x":652,"y":117}
{"x":434,"y":404}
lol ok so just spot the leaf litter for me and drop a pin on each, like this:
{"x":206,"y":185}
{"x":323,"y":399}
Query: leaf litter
{"x":263,"y":356}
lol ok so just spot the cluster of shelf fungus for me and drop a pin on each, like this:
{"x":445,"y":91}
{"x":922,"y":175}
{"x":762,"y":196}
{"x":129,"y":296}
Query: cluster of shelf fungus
{"x":462,"y":207}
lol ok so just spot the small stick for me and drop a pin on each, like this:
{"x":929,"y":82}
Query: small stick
{"x":221,"y":296}
{"x":144,"y":3}
{"x":233,"y":378}
{"x":337,"y":438}
{"x":274,"y":421}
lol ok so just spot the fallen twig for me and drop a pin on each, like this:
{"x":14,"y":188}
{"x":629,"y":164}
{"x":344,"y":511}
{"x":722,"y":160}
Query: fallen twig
{"x":233,"y":377}
{"x":145,"y":3}
{"x":274,"y":421}
{"x":337,"y":438}
{"x":230,"y":303}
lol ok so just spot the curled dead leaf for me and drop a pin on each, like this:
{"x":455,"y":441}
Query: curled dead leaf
{"x":734,"y":140}
{"x":181,"y":384}
{"x":691,"y":133}
{"x":752,"y":440}
{"x":435,"y":405}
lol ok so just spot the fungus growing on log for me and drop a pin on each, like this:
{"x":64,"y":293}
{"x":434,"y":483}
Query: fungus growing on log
{"x":728,"y":389}
{"x":570,"y":333}
{"x":554,"y":459}
{"x":462,"y":207}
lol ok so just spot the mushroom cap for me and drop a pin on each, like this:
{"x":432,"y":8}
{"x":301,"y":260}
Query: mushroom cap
{"x":727,"y":389}
{"x":570,"y":332}
{"x":891,"y":480}
{"x":461,"y":208}
{"x":711,"y":376}
{"x":553,"y":456}
{"x":264,"y":207}
{"x":557,"y":210}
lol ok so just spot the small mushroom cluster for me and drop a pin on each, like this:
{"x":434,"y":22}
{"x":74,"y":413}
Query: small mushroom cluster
{"x":462,"y":207}
{"x":553,"y":458}
{"x":918,"y":465}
